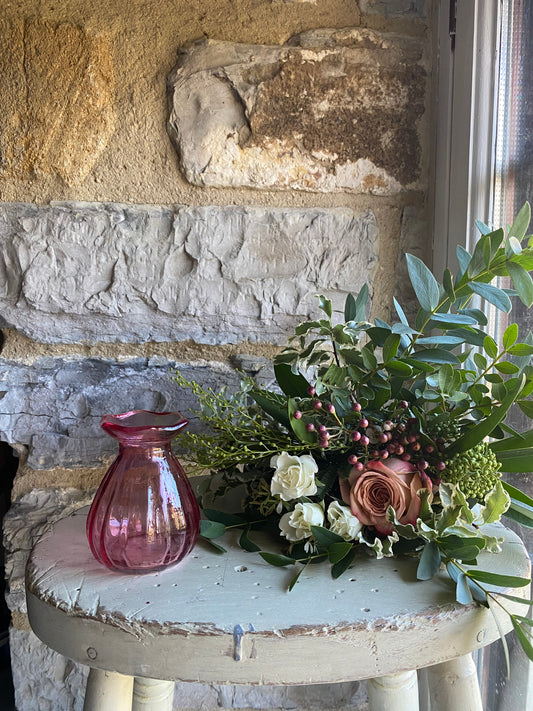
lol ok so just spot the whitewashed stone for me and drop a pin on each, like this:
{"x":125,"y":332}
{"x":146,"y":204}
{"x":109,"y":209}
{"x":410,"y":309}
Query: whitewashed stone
{"x":330,"y":110}
{"x":343,"y":696}
{"x":54,"y":406}
{"x":47,"y":681}
{"x":43,"y":679}
{"x":104,"y":272}
{"x":24,"y":523}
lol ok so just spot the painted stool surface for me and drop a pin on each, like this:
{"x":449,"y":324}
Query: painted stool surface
{"x":227,"y":619}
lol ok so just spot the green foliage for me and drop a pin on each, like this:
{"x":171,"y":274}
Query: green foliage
{"x":432,"y":390}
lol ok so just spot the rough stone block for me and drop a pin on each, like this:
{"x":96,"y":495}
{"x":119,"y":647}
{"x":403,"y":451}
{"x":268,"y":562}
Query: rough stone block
{"x":93,"y":272}
{"x":56,"y":91}
{"x":24,"y":523}
{"x":43,"y":679}
{"x":55,"y":411}
{"x":47,"y":681}
{"x":330,"y":110}
{"x":394,"y":8}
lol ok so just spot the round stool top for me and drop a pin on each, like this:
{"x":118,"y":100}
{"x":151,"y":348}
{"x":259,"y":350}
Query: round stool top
{"x":227,"y":618}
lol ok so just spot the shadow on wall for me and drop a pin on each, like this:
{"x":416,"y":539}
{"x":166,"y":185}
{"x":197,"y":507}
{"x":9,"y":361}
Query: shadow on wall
{"x":8,"y":469}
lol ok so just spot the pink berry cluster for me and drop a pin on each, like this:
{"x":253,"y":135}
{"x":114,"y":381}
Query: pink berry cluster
{"x":394,"y":438}
{"x":324,"y":433}
{"x":398,"y":437}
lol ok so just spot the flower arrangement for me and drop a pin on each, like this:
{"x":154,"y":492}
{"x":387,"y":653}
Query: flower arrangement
{"x":389,"y":438}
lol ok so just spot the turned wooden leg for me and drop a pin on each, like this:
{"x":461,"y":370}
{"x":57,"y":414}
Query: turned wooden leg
{"x":108,"y":691}
{"x":397,"y":692}
{"x":152,"y":695}
{"x":454,"y":685}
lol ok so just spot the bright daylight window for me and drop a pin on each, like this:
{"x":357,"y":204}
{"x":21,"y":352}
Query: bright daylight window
{"x":485,"y":170}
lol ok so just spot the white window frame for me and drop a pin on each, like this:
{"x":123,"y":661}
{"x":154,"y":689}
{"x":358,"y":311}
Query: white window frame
{"x":466,"y":101}
{"x":467,"y":71}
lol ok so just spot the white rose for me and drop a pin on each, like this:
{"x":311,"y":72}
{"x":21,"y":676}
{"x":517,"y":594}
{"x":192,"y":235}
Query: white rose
{"x":343,"y":522}
{"x":294,"y":476}
{"x":296,"y":525}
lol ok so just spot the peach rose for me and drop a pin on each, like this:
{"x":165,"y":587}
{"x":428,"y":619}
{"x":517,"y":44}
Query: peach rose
{"x":370,"y":492}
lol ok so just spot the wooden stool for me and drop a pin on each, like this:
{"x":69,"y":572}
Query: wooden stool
{"x":226,"y":619}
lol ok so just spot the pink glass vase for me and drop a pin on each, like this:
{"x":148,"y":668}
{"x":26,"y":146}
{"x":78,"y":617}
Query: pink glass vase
{"x":144,"y":515}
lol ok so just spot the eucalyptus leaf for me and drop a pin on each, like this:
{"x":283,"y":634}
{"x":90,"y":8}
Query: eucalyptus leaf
{"x":521,"y":222}
{"x":429,"y":563}
{"x":495,"y":296}
{"x":446,"y":340}
{"x":447,"y":283}
{"x":462,"y":592}
{"x":452,"y":320}
{"x":211,"y":529}
{"x":400,"y":312}
{"x":479,"y":316}
{"x":424,"y":283}
{"x":480,"y":257}
{"x":463,"y":257}
{"x":434,"y":355}
{"x":350,"y":310}
{"x":522,"y":282}
{"x":482,"y":227}
{"x":360,"y":303}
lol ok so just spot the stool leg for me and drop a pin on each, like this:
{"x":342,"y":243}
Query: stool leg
{"x":454,"y":685}
{"x":397,"y":692}
{"x":108,"y":691}
{"x":152,"y":695}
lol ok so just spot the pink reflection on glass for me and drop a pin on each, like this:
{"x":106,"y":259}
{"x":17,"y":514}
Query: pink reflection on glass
{"x":144,"y":515}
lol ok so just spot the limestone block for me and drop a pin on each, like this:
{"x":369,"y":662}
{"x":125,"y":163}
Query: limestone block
{"x":24,"y":523}
{"x":56,"y":99}
{"x":43,"y":679}
{"x":330,"y":110}
{"x":47,"y":681}
{"x":54,"y":406}
{"x":74,"y":272}
{"x":394,"y":8}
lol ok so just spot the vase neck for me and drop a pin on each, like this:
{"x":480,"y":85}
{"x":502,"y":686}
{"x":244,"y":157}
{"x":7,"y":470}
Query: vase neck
{"x":141,"y":427}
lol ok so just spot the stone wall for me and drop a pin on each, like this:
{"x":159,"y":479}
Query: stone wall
{"x":177,"y":183}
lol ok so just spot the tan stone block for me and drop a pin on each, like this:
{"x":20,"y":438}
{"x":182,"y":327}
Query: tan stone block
{"x":56,"y":93}
{"x":331,"y":110}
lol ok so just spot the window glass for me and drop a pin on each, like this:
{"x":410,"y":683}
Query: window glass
{"x":512,"y":186}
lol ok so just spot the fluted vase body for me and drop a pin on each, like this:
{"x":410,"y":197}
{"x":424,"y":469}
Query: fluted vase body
{"x":144,"y":515}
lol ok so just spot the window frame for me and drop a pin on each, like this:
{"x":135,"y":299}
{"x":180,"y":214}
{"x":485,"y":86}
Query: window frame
{"x":467,"y":72}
